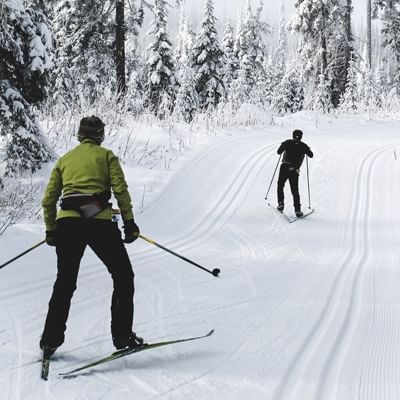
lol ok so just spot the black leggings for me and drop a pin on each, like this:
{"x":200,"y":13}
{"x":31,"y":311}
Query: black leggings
{"x":288,"y":172}
{"x":104,"y":238}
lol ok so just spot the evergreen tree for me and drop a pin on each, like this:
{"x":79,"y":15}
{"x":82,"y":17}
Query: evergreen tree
{"x":340,"y":45}
{"x":187,"y":101}
{"x":367,"y":92}
{"x":207,"y":59}
{"x":281,"y":52}
{"x":270,"y":81}
{"x":184,"y":44}
{"x":135,"y":64}
{"x":350,"y":99}
{"x":251,"y":49}
{"x":64,"y":23}
{"x":231,"y":63}
{"x":319,"y":22}
{"x":391,"y":32}
{"x":321,"y":100}
{"x":289,"y":96}
{"x":85,"y":39}
{"x":240,"y":92}
{"x":161,"y":82}
{"x":25,"y":44}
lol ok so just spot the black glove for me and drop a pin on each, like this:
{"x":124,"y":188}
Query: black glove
{"x":51,"y":237}
{"x":131,"y":231}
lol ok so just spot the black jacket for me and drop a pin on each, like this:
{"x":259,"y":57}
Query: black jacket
{"x":294,"y":152}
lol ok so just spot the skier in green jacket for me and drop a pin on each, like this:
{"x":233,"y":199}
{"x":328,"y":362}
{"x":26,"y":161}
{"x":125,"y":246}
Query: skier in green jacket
{"x":84,"y":178}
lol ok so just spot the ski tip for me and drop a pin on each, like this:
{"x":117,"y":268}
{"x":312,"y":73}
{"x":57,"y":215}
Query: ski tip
{"x":211,"y":332}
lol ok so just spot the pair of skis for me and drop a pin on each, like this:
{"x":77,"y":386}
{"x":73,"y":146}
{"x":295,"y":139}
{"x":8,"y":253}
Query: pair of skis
{"x":116,"y":355}
{"x":291,"y":219}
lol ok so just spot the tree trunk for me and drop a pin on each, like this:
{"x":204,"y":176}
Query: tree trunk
{"x":369,"y":34}
{"x":120,"y":46}
{"x":349,"y":38}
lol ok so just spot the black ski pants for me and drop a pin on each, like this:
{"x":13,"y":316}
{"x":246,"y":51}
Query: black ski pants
{"x":288,"y":172}
{"x":104,"y":238}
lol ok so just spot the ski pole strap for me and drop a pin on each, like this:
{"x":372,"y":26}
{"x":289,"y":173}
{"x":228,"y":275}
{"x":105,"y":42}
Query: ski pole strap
{"x":22,"y":254}
{"x":215,"y":272}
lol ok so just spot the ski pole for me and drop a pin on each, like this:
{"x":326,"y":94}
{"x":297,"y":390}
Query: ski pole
{"x":22,"y":254}
{"x":273,"y":176}
{"x":308,"y":184}
{"x":214,"y":272}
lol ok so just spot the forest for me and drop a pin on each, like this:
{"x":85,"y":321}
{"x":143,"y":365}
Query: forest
{"x":61,"y":58}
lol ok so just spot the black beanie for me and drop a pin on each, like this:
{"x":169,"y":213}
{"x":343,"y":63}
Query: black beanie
{"x":297,"y":134}
{"x":91,"y":127}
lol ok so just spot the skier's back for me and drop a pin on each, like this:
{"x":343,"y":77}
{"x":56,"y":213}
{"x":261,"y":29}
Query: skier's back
{"x":85,"y":177}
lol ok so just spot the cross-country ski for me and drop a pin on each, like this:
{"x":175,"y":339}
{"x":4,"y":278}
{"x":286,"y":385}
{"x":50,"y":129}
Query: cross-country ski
{"x":129,"y":351}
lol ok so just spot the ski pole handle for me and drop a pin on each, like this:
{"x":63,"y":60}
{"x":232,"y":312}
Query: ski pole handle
{"x":22,"y":254}
{"x":215,"y":272}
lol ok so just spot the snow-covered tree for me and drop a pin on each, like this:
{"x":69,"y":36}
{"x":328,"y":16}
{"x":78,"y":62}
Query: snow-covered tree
{"x":161,"y":82}
{"x":25,"y":54}
{"x":289,"y":95}
{"x":350,"y":99}
{"x":391,"y":33}
{"x":184,"y":44}
{"x":321,"y":99}
{"x":231,"y":63}
{"x":84,"y":35}
{"x":319,"y":22}
{"x":240,"y":89}
{"x":340,"y":47}
{"x":282,"y":49}
{"x":367,"y":91}
{"x":311,"y":20}
{"x":269,"y":82}
{"x":187,"y":100}
{"x":250,"y":47}
{"x":207,"y":58}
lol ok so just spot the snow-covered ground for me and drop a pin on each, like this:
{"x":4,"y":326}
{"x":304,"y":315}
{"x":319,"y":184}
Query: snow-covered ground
{"x":308,"y":310}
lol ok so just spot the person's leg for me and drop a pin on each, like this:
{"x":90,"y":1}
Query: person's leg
{"x":106,"y":242}
{"x":283,"y":176}
{"x":294,"y":187}
{"x":70,"y":247}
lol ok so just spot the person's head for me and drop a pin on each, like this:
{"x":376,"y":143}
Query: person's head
{"x":91,"y":127}
{"x":297,"y":134}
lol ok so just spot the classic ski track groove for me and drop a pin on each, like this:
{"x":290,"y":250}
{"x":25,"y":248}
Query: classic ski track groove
{"x":379,"y":370}
{"x":295,"y":374}
{"x":358,"y":254}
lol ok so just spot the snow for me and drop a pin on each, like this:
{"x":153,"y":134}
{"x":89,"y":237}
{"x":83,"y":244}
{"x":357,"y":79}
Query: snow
{"x":308,"y":310}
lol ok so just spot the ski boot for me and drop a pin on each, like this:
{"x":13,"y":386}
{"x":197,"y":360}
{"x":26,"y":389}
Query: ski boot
{"x":48,"y":351}
{"x":131,"y":342}
{"x":280,"y":207}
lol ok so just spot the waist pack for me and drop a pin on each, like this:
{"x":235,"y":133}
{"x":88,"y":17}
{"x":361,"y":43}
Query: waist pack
{"x":87,"y":205}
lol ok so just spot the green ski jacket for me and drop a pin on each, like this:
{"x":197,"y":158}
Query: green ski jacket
{"x":89,"y":169}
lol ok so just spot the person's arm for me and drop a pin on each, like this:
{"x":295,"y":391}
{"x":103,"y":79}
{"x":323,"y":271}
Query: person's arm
{"x":309,"y":152}
{"x":281,"y":148}
{"x":50,"y":198}
{"x":120,"y":187}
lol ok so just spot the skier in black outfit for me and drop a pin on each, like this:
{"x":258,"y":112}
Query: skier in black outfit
{"x":293,"y":151}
